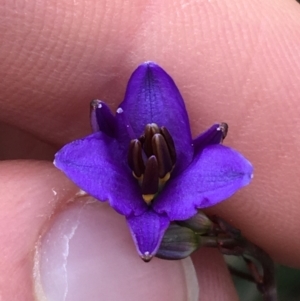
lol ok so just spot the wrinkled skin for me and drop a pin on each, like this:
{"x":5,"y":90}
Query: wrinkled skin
{"x":233,"y":61}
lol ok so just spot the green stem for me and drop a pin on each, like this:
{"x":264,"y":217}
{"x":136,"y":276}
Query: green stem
{"x":230,"y":242}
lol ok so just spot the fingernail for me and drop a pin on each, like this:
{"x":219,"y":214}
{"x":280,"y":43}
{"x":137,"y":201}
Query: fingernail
{"x":87,"y":254}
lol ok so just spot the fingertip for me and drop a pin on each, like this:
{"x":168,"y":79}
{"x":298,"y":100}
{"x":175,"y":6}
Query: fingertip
{"x":81,"y":236}
{"x":87,"y":252}
{"x":30,"y":193}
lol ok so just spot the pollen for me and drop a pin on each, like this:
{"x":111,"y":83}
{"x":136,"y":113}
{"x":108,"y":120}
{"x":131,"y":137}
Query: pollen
{"x":164,"y":179}
{"x":148,"y":198}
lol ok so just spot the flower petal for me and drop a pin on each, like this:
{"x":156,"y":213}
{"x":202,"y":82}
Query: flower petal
{"x":214,"y":135}
{"x":102,"y":119}
{"x":93,"y":163}
{"x":215,"y":174}
{"x":152,"y":97}
{"x":147,"y":231}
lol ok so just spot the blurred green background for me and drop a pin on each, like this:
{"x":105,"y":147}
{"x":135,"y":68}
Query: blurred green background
{"x":288,"y":282}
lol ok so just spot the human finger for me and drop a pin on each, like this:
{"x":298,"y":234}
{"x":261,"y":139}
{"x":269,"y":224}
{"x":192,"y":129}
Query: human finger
{"x":242,"y":53}
{"x":57,"y":246}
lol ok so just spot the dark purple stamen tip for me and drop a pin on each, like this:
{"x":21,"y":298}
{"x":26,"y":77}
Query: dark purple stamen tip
{"x":150,"y":180}
{"x":170,"y":143}
{"x":161,"y":152}
{"x":135,"y":158}
{"x":150,"y":130}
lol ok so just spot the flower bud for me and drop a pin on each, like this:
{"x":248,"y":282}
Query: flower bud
{"x":178,"y":243}
{"x":199,"y":223}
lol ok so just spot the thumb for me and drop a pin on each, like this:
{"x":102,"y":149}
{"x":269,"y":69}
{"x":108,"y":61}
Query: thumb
{"x":76,"y":248}
{"x":58,"y":246}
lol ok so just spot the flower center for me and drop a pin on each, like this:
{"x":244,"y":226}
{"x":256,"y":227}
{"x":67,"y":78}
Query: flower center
{"x":152,"y":158}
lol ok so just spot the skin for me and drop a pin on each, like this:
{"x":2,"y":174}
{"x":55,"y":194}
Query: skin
{"x":234,"y":61}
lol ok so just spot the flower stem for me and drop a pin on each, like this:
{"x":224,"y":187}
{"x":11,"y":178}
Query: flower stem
{"x":182,"y":238}
{"x":230,"y":242}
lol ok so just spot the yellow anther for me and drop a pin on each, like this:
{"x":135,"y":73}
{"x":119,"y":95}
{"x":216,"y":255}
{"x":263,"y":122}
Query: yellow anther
{"x":165,"y":178}
{"x":140,"y":179}
{"x":148,"y":198}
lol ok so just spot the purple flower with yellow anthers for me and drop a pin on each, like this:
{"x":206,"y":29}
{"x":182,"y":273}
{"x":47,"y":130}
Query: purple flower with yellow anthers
{"x":144,"y":162}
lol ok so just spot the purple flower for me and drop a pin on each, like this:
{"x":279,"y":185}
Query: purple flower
{"x":144,"y":162}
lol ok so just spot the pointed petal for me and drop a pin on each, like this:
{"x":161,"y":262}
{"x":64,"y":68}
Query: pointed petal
{"x":214,"y":175}
{"x":152,"y":97}
{"x":94,"y":165}
{"x":147,"y":231}
{"x":102,"y":119}
{"x":214,"y":135}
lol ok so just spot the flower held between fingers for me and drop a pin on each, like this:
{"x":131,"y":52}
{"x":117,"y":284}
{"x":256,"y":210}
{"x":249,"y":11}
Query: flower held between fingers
{"x":144,"y":162}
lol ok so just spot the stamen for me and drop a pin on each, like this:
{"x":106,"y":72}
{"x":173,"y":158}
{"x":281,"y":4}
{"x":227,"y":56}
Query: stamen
{"x":170,"y":143}
{"x":161,"y":152}
{"x":163,"y":181}
{"x":150,"y":130}
{"x":135,"y":158}
{"x":151,"y":158}
{"x":150,"y":180}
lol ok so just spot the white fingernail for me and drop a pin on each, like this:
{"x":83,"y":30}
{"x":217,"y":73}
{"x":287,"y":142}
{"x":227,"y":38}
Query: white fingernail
{"x":77,"y":260}
{"x":190,"y":275}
